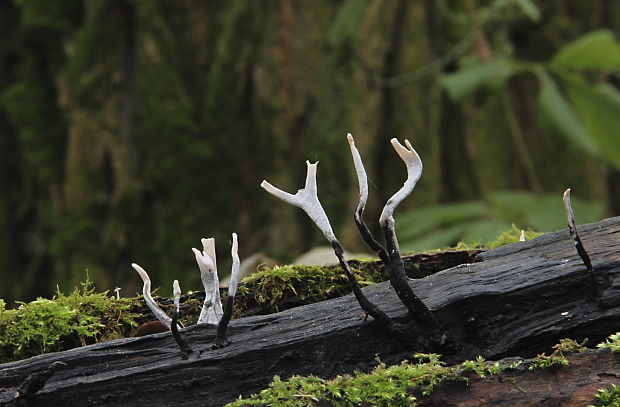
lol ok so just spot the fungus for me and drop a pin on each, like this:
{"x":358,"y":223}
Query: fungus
{"x":220,"y":339}
{"x":117,"y":290}
{"x":211,"y":312}
{"x":148,"y":298}
{"x":307,"y":199}
{"x":390,"y":255}
{"x":581,"y":251}
{"x":185,"y":349}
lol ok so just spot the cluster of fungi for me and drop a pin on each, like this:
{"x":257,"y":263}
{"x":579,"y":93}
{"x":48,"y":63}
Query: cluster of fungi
{"x":389,"y":253}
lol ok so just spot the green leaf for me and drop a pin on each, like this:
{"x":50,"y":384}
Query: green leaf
{"x":599,"y":112}
{"x":547,"y":213}
{"x":421,"y":221}
{"x":595,"y":50}
{"x":490,"y":76}
{"x":444,"y":237}
{"x":560,"y":115}
{"x":347,"y":21}
{"x":484,"y":231}
{"x":529,"y":9}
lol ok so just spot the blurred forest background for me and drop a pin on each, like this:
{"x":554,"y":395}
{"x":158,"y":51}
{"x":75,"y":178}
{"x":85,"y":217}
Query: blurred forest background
{"x":130,"y":129}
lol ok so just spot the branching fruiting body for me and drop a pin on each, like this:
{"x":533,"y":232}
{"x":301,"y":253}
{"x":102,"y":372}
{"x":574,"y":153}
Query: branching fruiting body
{"x":307,"y":199}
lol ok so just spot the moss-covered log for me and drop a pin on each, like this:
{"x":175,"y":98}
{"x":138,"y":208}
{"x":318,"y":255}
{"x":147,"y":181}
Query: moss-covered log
{"x":515,"y":300}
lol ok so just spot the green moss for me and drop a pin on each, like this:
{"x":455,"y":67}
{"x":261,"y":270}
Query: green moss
{"x":394,"y":385}
{"x":512,"y":236}
{"x":64,"y":322}
{"x":608,"y":397}
{"x":481,"y":367}
{"x":612,"y":342}
{"x":557,"y":357}
{"x":276,"y":288}
{"x":384,"y":386}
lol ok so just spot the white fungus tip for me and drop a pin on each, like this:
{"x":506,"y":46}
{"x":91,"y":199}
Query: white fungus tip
{"x":143,"y":274}
{"x":176,"y":289}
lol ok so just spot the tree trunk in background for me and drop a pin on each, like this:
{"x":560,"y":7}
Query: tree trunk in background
{"x":458,"y":179}
{"x":132,"y":129}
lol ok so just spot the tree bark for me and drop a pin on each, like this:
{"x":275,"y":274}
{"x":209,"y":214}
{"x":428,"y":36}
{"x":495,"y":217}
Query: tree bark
{"x":516,"y":300}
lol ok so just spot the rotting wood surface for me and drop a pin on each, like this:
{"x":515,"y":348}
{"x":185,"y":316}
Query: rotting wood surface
{"x":571,"y":386}
{"x":516,"y":300}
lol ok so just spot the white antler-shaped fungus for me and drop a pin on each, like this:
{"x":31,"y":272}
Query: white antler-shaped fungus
{"x":211,"y":312}
{"x":236,"y":264}
{"x":306,"y":199}
{"x":176,"y":294}
{"x":390,"y":255}
{"x":148,"y":298}
{"x":414,"y":171}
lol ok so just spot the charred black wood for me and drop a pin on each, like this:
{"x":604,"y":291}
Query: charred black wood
{"x":517,"y":300}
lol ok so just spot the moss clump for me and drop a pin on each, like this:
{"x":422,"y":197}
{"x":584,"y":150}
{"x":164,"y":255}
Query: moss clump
{"x":557,"y":357}
{"x":612,"y":342}
{"x":384,"y":386}
{"x":62,"y":323}
{"x":512,"y":235}
{"x":608,"y":397}
{"x":286,"y":286}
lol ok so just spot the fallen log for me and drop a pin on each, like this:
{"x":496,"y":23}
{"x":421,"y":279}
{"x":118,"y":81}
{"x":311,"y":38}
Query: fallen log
{"x":516,"y":300}
{"x":571,"y":386}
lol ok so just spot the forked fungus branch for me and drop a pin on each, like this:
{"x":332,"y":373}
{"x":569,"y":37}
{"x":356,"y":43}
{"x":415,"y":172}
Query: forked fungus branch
{"x":307,"y":199}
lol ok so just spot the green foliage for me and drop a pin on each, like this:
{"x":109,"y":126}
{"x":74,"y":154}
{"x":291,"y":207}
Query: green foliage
{"x":490,"y":76}
{"x":347,"y":21}
{"x":608,"y":397}
{"x":589,"y":117}
{"x":560,"y":115}
{"x":64,"y":322}
{"x":612,"y":342}
{"x":598,"y":109}
{"x":596,"y":50}
{"x":482,"y":221}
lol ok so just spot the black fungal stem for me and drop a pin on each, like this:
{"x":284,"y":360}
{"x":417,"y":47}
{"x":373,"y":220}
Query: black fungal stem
{"x":581,"y":250}
{"x":364,"y":302}
{"x":399,"y":280}
{"x":183,"y":346}
{"x":222,"y":326}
